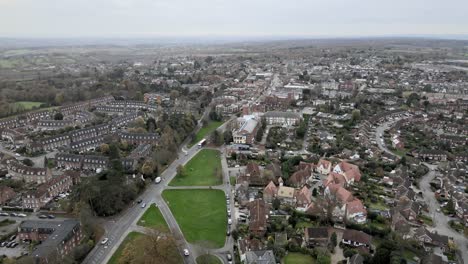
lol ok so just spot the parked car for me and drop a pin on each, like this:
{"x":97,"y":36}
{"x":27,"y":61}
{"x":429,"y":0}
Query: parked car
{"x":229,"y":221}
{"x":186,"y":252}
{"x":229,"y":258}
{"x":12,"y":237}
{"x":3,"y":244}
{"x":4,"y":214}
{"x":139,"y":201}
{"x":22,"y":215}
{"x":143,"y":205}
{"x":104,"y":241}
{"x":13,"y":214}
{"x":42,"y":216}
{"x":51,"y":216}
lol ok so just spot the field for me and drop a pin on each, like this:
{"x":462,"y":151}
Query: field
{"x":204,"y":169}
{"x":208,"y":259}
{"x":297,"y":258}
{"x":153,"y":218}
{"x":25,"y":105}
{"x":204,"y":131}
{"x":201,"y":215}
{"x":130,"y":237}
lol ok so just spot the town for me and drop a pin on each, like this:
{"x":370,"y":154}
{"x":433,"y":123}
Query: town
{"x":330,"y":151}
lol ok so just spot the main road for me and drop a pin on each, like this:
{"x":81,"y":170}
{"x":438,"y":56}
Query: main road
{"x":117,"y":229}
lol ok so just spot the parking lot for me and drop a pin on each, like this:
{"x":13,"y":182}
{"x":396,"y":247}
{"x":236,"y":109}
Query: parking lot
{"x":16,"y":251}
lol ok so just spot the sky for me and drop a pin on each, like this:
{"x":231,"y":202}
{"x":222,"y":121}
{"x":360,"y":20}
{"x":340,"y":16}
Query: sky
{"x":234,"y":18}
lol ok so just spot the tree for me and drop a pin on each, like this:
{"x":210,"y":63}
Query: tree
{"x":333,"y":240}
{"x":174,"y":94}
{"x":104,"y":148}
{"x":450,"y":207}
{"x":156,"y":248}
{"x":58,"y":116}
{"x":356,"y":115}
{"x":59,"y":98}
{"x":314,"y":192}
{"x":228,"y":138}
{"x":148,"y":167}
{"x":181,"y":171}
{"x":28,"y":162}
{"x":217,"y":138}
{"x":259,"y":134}
{"x":276,"y":203}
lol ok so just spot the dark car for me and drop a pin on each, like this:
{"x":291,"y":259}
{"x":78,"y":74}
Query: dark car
{"x":139,"y":201}
{"x":51,"y":216}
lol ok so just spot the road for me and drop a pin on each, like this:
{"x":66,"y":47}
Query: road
{"x":439,"y":219}
{"x":38,"y":160}
{"x":117,"y":229}
{"x":379,"y":135}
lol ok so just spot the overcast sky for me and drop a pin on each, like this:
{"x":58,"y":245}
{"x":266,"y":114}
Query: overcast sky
{"x":267,"y":18}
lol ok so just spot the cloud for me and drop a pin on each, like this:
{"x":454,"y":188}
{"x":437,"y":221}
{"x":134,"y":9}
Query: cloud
{"x":69,"y":18}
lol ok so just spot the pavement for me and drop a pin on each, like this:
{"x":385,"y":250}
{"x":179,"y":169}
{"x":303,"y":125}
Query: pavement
{"x":439,"y":219}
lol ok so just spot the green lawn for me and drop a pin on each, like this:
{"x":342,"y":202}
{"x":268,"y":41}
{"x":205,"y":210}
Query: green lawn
{"x":204,"y":131}
{"x":232,"y":180}
{"x":378,"y":206}
{"x":201,"y":215}
{"x":298,"y":258}
{"x":153,"y":218}
{"x":208,"y":259}
{"x":130,"y":237}
{"x":25,"y":105}
{"x":202,"y":170}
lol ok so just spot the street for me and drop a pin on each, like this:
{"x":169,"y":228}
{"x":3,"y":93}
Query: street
{"x":440,"y":220}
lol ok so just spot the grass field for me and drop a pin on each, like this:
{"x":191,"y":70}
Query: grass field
{"x":208,"y":259}
{"x":153,"y":218}
{"x":297,"y":258}
{"x":204,"y":169}
{"x":26,"y":105}
{"x":130,"y":237}
{"x":204,"y":131}
{"x":201,"y":215}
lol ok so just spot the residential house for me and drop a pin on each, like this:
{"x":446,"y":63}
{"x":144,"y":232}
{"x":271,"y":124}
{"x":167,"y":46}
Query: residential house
{"x":28,"y":174}
{"x":356,"y":238}
{"x":323,"y":166}
{"x":260,"y":257}
{"x":270,"y":192}
{"x":433,"y":239}
{"x":258,"y":217}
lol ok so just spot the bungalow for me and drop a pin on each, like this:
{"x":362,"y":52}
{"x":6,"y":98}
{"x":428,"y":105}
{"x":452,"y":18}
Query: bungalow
{"x":356,"y":238}
{"x":425,"y":237}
